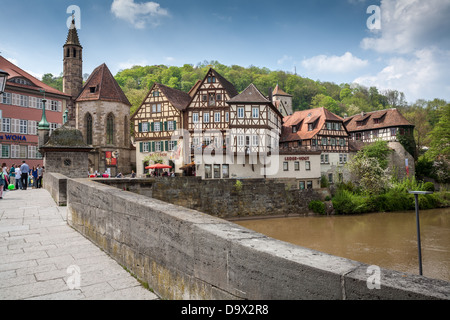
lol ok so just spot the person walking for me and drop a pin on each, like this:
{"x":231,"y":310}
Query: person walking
{"x":40,"y":174}
{"x":25,"y":169}
{"x":2,"y":182}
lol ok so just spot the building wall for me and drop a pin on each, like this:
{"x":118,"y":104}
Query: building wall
{"x":18,"y":126}
{"x":99,"y":111}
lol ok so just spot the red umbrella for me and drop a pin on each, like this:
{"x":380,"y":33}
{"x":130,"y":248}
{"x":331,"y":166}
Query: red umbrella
{"x":159,"y":166}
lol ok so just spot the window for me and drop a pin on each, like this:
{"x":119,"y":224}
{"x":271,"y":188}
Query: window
{"x":240,"y":141}
{"x":206,"y":118}
{"x":255,"y":141}
{"x":110,"y":129}
{"x":310,"y":126}
{"x":212,"y":99}
{"x":227,"y":117}
{"x":89,"y":129}
{"x":208,"y":173}
{"x":247,"y":141}
{"x":195,"y":117}
{"x":172,"y":145}
{"x":14,"y":151}
{"x":32,"y":152}
{"x":170,"y":126}
{"x":23,"y":126}
{"x":309,"y":185}
{"x":285,"y":166}
{"x":294,"y":129}
{"x":158,"y":146}
{"x":92,"y":89}
{"x":157,"y":126}
{"x":145,"y":147}
{"x":5,"y":151}
{"x":330,"y":178}
{"x":324,"y":141}
{"x":308,"y":165}
{"x":342,"y":142}
{"x":158,"y":107}
{"x":23,"y":152}
{"x":240,"y":111}
{"x":156,"y":93}
{"x":32,"y":127}
{"x":211,"y":79}
{"x":225,"y":171}
{"x":217,"y":117}
{"x":217,"y":171}
{"x":145,"y":127}
{"x":301,"y":185}
{"x":6,"y":125}
{"x":297,"y":166}
{"x":6,"y":98}
{"x":393,"y":132}
{"x":255,"y":112}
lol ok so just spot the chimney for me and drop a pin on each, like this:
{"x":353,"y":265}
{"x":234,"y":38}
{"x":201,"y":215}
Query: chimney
{"x":271,"y":94}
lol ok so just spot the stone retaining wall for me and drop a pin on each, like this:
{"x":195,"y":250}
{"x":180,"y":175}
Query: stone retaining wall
{"x":185,"y":254}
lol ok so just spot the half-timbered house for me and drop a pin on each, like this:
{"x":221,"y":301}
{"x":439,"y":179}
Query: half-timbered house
{"x":318,"y":130}
{"x":207,"y":117}
{"x":155,"y":123}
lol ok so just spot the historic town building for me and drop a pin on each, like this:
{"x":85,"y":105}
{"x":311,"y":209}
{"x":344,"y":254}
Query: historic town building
{"x":20,"y":112}
{"x":99,"y":109}
{"x":156,"y":124}
{"x":318,"y":130}
{"x":385,"y":125}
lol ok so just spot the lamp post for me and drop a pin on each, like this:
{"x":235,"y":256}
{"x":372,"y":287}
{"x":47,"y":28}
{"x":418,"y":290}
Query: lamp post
{"x":416,"y":196}
{"x":3,"y":77}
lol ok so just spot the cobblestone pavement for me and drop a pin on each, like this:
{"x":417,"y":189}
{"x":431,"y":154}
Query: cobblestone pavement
{"x":42,"y":257}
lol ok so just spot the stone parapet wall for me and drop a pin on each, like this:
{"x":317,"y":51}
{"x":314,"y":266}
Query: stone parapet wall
{"x":56,"y":185}
{"x":185,"y":254}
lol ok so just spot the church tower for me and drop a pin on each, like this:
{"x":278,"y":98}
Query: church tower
{"x":73,"y":63}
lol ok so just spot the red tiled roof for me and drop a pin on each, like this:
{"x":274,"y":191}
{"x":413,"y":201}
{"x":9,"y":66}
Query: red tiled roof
{"x":16,"y":72}
{"x":388,"y":118}
{"x":101,"y":85}
{"x":179,"y":99}
{"x":319,"y":115}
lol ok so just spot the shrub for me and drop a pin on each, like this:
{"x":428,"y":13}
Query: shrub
{"x":346,"y":202}
{"x":428,"y":186}
{"x":317,"y":207}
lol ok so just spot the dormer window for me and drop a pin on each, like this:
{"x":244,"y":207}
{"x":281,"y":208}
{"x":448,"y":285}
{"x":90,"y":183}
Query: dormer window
{"x":359,"y":123}
{"x":294,"y":129}
{"x":92,"y":89}
{"x":310,"y":126}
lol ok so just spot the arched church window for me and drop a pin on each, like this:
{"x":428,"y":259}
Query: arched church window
{"x":89,"y":129}
{"x":110,"y":129}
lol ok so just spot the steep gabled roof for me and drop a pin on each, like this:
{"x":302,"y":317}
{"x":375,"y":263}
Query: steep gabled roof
{"x":250,"y":94}
{"x":228,"y":86}
{"x":179,"y":99}
{"x":16,"y":72}
{"x":316,"y":116}
{"x":101,"y":85}
{"x":72,"y":37}
{"x":386,"y":118}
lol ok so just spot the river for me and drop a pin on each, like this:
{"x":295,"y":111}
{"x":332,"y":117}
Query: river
{"x":388,"y":240}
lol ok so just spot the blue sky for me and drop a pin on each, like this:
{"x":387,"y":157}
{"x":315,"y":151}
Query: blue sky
{"x":321,"y":40}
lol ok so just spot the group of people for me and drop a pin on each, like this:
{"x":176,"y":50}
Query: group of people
{"x":20,"y":177}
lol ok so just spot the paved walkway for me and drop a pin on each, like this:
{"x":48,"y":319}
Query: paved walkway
{"x":42,"y":258}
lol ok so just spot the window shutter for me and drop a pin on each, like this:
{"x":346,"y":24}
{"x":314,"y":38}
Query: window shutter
{"x":152,"y":127}
{"x":140,"y":128}
{"x":153,"y":144}
{"x":149,"y":146}
{"x":165,"y":125}
{"x":174,"y":125}
{"x":167,"y":145}
{"x":141,"y":148}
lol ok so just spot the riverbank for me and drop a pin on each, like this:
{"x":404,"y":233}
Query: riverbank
{"x":349,"y":200}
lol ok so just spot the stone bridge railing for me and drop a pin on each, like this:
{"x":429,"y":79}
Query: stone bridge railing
{"x":184,"y":254}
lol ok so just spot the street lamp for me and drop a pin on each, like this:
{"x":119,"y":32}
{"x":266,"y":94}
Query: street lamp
{"x":3,"y":77}
{"x":416,"y":196}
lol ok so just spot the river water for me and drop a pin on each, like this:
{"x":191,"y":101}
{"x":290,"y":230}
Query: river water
{"x":388,"y":240}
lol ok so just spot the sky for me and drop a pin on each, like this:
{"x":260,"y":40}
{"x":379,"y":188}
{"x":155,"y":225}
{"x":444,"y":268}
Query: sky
{"x":401,"y":45}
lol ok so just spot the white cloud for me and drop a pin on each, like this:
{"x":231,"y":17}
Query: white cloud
{"x":138,"y":14}
{"x":409,"y":25}
{"x":334,"y":64}
{"x":284,"y":59}
{"x":424,"y":75}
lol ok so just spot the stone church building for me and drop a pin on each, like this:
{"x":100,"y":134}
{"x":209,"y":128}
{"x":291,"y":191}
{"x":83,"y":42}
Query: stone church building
{"x":100,"y":110}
